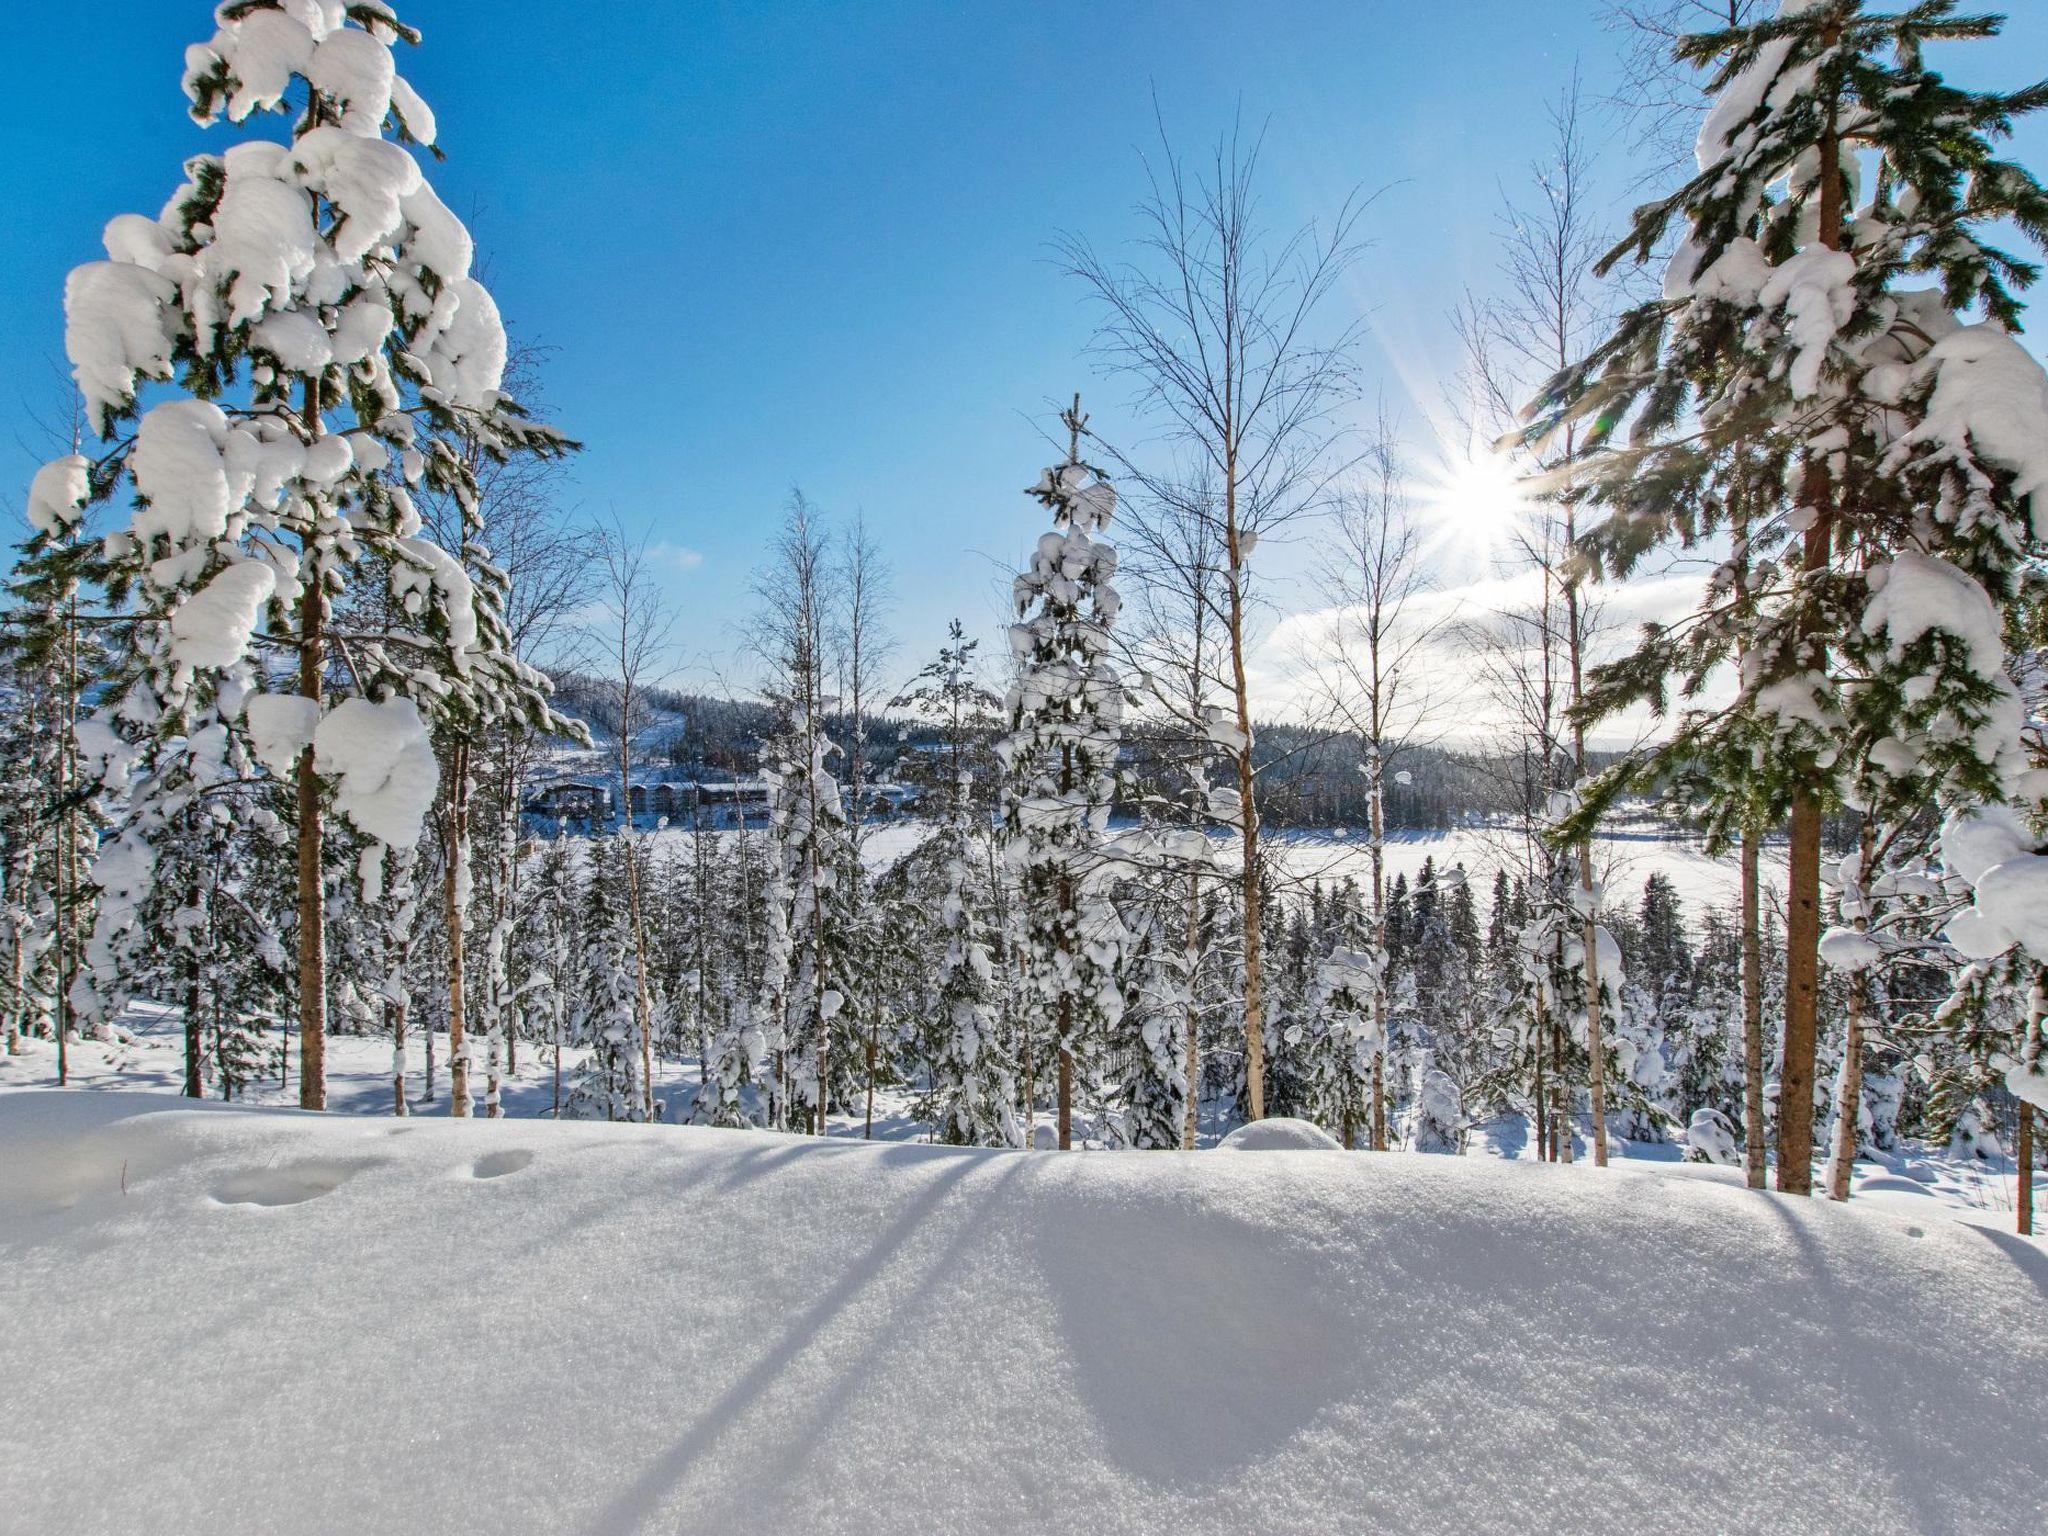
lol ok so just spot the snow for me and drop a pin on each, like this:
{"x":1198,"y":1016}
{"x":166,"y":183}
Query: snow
{"x":1279,"y":1134}
{"x":57,"y":494}
{"x":1989,"y":393}
{"x":265,"y":49}
{"x":614,"y":1328}
{"x":367,"y":179}
{"x":212,"y":627}
{"x":384,"y":764}
{"x":1814,"y":287}
{"x":355,"y":71}
{"x":117,"y":324}
{"x":281,"y":726}
{"x":1846,"y":950}
{"x":263,"y":246}
{"x":466,"y":362}
{"x":179,"y":471}
{"x":1916,"y":594}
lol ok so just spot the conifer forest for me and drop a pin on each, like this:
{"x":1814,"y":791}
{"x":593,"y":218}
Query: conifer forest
{"x":1564,"y":767}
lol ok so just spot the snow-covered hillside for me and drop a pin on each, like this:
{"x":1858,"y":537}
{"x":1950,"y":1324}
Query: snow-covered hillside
{"x":232,"y":1320}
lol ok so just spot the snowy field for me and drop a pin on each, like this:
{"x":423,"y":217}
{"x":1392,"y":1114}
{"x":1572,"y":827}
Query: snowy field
{"x":260,"y":1321}
{"x":1307,"y":856}
{"x":149,"y":1058}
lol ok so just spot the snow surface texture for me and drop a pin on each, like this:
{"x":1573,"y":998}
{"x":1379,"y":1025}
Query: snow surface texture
{"x":1279,"y":1134}
{"x":404,"y":1325}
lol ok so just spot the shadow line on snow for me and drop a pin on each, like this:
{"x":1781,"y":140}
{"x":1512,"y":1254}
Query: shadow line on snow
{"x":631,"y":1505}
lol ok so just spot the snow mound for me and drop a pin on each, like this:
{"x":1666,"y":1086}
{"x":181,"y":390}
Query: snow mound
{"x":267,"y":1321}
{"x":1279,"y":1134}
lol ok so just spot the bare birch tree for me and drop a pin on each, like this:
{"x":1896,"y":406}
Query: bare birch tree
{"x":631,"y":630}
{"x":1368,"y":665}
{"x":1222,"y":327}
{"x":1550,"y":308}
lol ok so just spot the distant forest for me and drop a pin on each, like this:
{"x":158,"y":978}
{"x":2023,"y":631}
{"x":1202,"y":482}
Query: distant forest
{"x":1312,"y":778}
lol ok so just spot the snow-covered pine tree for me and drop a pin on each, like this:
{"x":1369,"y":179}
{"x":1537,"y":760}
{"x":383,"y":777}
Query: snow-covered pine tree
{"x":973,"y":1086}
{"x":1065,"y":713}
{"x":52,"y":662}
{"x":606,"y":1004}
{"x":314,"y":300}
{"x":1436,"y":1119}
{"x":807,"y":829}
{"x":1798,"y":371}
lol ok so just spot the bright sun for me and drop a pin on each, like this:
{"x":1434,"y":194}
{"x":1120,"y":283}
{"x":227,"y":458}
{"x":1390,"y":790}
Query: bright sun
{"x":1476,"y":501}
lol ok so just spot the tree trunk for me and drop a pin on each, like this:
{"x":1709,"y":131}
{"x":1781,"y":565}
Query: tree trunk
{"x":1802,"y":999}
{"x":16,"y":1008}
{"x":1561,"y":1085}
{"x":1596,"y":1043}
{"x":641,"y":1002}
{"x":1540,"y":1096}
{"x":194,"y":1037}
{"x":1802,"y":920}
{"x":2023,"y":1145}
{"x":1247,"y":808}
{"x":1376,"y":811}
{"x":1024,"y":1061}
{"x":2023,"y":1142}
{"x":312,"y":891}
{"x":1848,"y":1095}
{"x":1065,"y":1067}
{"x":1191,"y":958}
{"x":453,"y":873}
{"x":394,"y":1015}
{"x":1754,"y":1155}
{"x":1849,"y":1083}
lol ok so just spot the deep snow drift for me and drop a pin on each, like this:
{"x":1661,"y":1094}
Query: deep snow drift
{"x":228,"y":1320}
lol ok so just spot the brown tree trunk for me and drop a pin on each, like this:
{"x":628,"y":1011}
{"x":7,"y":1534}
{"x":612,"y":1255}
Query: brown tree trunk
{"x":312,"y":891}
{"x":1849,"y":1085}
{"x":1802,"y":1001}
{"x":1596,"y":1042}
{"x":1802,"y":919}
{"x":1754,"y":1143}
{"x":394,"y":1016}
{"x":194,"y":1029}
{"x":1192,"y":960}
{"x":1849,"y":1095}
{"x":1066,"y":1073}
{"x":1561,"y":1085}
{"x":16,"y":1009}
{"x":2024,"y":1150}
{"x":867,"y":1130}
{"x":453,"y":869}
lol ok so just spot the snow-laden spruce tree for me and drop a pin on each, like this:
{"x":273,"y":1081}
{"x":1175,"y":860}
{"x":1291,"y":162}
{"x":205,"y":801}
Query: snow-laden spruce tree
{"x":311,"y":307}
{"x":1436,"y":1119}
{"x":807,"y":830}
{"x":606,"y":1005}
{"x":1347,"y":1009}
{"x":1812,"y":369}
{"x":1065,"y":714}
{"x":973,"y":1086}
{"x":53,"y":663}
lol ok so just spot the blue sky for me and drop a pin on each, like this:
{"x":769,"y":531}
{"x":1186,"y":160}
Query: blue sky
{"x":776,"y":244}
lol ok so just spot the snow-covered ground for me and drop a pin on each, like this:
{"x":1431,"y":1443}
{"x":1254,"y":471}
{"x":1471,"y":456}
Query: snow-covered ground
{"x":148,"y":1057}
{"x":1328,"y":855}
{"x":233,"y":1321}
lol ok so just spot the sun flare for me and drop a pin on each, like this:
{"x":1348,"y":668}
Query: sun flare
{"x":1477,"y":503}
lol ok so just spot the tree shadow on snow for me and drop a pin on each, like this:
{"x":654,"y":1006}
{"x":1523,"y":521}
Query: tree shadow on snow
{"x":633,"y":1504}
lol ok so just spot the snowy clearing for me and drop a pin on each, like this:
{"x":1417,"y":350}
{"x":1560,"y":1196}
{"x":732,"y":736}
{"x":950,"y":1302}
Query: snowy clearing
{"x":617,"y":1328}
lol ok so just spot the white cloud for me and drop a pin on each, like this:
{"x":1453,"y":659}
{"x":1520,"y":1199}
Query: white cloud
{"x":1452,"y":669}
{"x":675,"y":556}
